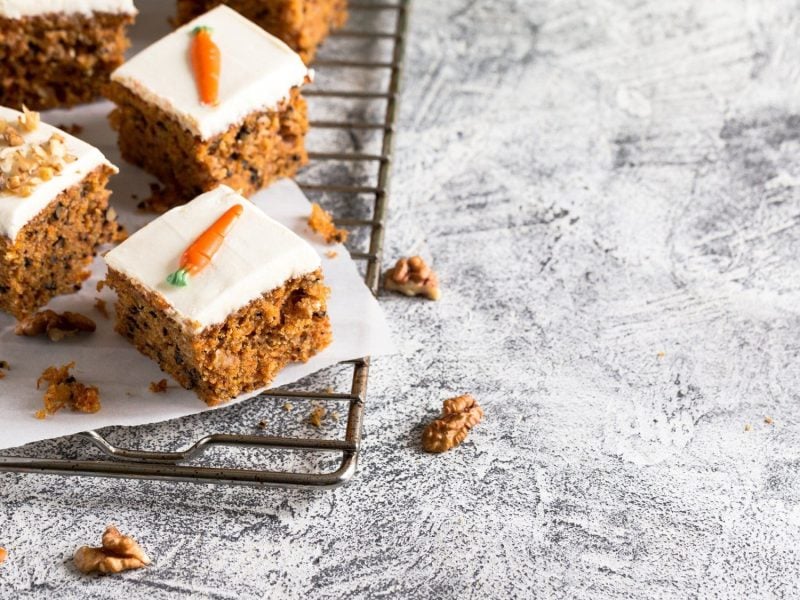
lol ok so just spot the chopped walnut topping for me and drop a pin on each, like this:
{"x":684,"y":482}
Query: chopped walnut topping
{"x":331,"y":254}
{"x":321,"y":221}
{"x":158,"y":387}
{"x":29,"y":120}
{"x":3,"y":368}
{"x":262,"y":425}
{"x":459,"y":415}
{"x":287,"y":406}
{"x":412,"y":277}
{"x":3,"y":555}
{"x":56,"y":326}
{"x":64,"y":390}
{"x":317,"y":414}
{"x":748,"y":427}
{"x":768,"y":420}
{"x":22,"y":167}
{"x":117,"y":553}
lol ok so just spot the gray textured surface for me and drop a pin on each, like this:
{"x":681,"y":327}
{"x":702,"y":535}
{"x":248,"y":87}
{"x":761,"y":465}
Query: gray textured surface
{"x":609,"y":192}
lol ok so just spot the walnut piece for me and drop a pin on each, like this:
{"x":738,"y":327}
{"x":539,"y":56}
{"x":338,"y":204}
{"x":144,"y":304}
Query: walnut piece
{"x":317,"y":414}
{"x":64,"y":390}
{"x":56,"y":326}
{"x":321,"y":221}
{"x":459,"y":415}
{"x":158,"y":387}
{"x":412,"y":277}
{"x":118,"y":553}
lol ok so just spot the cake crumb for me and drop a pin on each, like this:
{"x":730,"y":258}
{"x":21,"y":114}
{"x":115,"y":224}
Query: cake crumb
{"x":262,"y":424}
{"x":57,"y":326}
{"x":331,"y":254}
{"x":100,"y":306}
{"x":158,"y":387}
{"x":317,"y":415}
{"x":3,"y":368}
{"x":3,"y":555}
{"x":288,"y":406}
{"x":748,"y":427}
{"x":335,"y":416}
{"x":160,"y":200}
{"x":116,"y":554}
{"x":661,"y":355}
{"x":412,"y":277}
{"x":768,"y":420}
{"x":73,"y":129}
{"x":322,"y":222}
{"x":64,"y":390}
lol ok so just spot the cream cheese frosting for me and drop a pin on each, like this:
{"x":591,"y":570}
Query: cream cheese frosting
{"x":257,"y":71}
{"x":16,"y":9}
{"x":257,"y":256}
{"x":17,"y":211}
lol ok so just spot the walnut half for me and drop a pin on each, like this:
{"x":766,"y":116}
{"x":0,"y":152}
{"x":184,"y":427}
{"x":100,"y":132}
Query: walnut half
{"x":459,"y":415}
{"x":118,"y":553}
{"x":412,"y":277}
{"x":57,"y":326}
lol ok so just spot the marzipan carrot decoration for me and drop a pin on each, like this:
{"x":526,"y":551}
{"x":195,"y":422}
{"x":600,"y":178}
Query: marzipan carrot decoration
{"x":206,"y":65}
{"x":199,"y":254}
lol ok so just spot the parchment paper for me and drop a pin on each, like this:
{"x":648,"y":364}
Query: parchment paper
{"x":108,"y":360}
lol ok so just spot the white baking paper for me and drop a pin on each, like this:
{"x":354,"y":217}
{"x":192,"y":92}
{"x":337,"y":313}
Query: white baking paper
{"x":108,"y":360}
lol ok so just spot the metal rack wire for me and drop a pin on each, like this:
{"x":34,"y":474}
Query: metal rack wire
{"x":172,"y":465}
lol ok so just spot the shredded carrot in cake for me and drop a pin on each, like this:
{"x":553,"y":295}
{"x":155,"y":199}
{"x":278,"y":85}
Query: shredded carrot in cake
{"x":199,"y":254}
{"x":206,"y":62}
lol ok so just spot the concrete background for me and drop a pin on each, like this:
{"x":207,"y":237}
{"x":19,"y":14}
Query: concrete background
{"x":609,"y":191}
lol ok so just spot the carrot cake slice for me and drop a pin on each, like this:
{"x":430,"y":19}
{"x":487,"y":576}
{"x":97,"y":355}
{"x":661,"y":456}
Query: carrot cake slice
{"x":58,"y":53}
{"x":302,"y":24}
{"x":216,"y":101}
{"x":54,"y":211}
{"x":220,"y":295}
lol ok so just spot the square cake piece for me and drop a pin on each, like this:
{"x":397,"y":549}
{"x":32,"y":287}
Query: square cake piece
{"x":253,"y":135}
{"x":302,"y":24}
{"x":58,"y":53}
{"x":220,"y":295}
{"x":54,"y":211}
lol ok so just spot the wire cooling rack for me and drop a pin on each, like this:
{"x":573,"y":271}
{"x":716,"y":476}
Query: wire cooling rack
{"x":376,"y":88}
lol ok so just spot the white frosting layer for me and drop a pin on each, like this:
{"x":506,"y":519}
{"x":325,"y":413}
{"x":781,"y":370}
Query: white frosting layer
{"x":16,"y":211}
{"x":15,"y":9}
{"x":258,"y":255}
{"x":257,"y":71}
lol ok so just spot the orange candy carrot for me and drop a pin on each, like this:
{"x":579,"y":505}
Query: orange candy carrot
{"x":199,"y":254}
{"x":206,"y":65}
